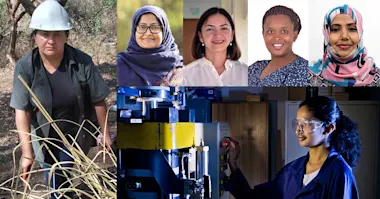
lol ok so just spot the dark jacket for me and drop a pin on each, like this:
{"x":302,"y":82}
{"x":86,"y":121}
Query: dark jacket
{"x":335,"y":180}
{"x":88,"y":85}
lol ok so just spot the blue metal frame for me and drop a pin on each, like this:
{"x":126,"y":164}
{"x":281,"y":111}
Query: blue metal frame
{"x":155,"y":164}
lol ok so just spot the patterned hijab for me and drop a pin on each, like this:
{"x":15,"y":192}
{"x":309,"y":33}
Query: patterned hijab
{"x":356,"y":69}
{"x":142,"y":67}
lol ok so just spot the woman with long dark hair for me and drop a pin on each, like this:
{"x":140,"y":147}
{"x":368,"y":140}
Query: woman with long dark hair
{"x":216,"y":52}
{"x":325,"y":172}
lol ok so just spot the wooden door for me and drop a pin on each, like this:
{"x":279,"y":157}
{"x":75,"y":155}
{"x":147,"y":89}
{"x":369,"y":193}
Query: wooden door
{"x":189,"y":27}
{"x":248,"y":124}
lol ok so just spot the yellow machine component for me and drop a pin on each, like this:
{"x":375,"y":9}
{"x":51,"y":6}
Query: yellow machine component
{"x":155,"y":135}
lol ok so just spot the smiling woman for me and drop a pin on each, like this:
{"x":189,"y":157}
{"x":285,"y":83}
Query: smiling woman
{"x":152,"y":57}
{"x":345,"y":61}
{"x":152,"y":38}
{"x":217,"y":53}
{"x":325,"y":171}
{"x":281,"y":27}
{"x":344,"y":37}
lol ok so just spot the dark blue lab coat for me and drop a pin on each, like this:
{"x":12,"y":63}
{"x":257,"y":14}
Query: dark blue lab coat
{"x":335,"y":180}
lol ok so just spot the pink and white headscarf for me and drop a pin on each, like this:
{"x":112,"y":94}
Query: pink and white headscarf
{"x":356,"y":69}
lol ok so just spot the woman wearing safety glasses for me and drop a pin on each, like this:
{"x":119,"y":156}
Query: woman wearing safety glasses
{"x":325,"y":172}
{"x":152,"y":57}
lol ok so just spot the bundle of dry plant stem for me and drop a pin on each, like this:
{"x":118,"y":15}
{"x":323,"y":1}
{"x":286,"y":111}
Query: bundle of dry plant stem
{"x":100,"y":181}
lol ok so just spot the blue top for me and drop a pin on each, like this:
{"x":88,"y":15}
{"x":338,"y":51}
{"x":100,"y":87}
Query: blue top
{"x":293,"y":74}
{"x":335,"y":180}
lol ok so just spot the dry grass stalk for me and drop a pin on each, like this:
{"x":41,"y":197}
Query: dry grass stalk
{"x":100,"y":182}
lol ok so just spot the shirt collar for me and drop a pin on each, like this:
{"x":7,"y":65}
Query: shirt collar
{"x":205,"y":62}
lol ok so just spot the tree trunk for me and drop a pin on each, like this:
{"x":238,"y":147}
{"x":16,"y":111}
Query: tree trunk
{"x":62,"y":2}
{"x":28,"y":6}
{"x":12,"y":45}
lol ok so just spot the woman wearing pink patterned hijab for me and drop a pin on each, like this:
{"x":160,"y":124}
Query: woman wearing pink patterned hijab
{"x":345,"y":61}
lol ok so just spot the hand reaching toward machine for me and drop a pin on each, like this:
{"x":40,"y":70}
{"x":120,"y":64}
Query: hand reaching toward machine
{"x":230,"y":147}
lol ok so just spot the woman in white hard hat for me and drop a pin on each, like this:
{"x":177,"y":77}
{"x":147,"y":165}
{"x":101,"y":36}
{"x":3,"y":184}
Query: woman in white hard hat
{"x":66,"y":83}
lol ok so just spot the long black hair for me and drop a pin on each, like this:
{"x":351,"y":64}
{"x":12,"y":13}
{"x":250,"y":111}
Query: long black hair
{"x":345,"y":139}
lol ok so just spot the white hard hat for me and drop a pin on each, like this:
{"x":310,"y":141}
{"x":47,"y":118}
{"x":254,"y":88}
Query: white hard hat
{"x":50,"y":16}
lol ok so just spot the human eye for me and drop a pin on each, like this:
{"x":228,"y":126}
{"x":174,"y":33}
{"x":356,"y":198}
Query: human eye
{"x":284,"y":32}
{"x":58,"y":33}
{"x":156,"y":27}
{"x":209,"y":29}
{"x":295,"y":124}
{"x":353,"y":29}
{"x":225,"y":28}
{"x":334,"y":29}
{"x":142,"y":26}
{"x":44,"y":33}
{"x":308,"y":123}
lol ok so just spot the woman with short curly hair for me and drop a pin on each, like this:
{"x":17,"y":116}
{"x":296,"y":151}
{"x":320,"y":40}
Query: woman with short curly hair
{"x":281,"y":26}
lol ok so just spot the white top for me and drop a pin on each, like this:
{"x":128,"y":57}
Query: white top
{"x":307,"y":178}
{"x":201,"y":72}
